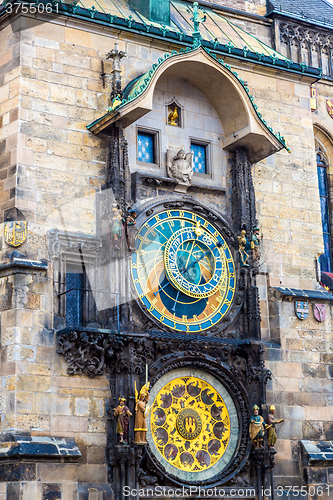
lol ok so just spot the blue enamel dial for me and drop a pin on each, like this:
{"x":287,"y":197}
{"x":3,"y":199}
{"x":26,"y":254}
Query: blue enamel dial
{"x":183,"y":271}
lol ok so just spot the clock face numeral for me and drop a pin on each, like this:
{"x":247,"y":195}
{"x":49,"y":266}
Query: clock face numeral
{"x":183,"y":271}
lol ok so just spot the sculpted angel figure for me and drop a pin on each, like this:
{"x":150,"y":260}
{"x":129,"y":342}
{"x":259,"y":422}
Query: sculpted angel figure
{"x":179,"y":167}
{"x":141,"y":411}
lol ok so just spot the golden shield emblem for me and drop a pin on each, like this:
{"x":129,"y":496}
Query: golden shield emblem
{"x":329,"y":106}
{"x":15,"y":233}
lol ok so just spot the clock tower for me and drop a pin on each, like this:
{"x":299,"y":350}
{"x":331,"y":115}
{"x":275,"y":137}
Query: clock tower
{"x":193,"y":319}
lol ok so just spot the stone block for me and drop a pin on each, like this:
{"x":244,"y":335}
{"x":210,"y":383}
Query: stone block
{"x":92,"y":473}
{"x":328,"y":431}
{"x":25,"y":402}
{"x":31,"y":490}
{"x":292,"y":370}
{"x":98,"y":409}
{"x":291,"y":430}
{"x":96,"y":455}
{"x":69,"y":491}
{"x":311,"y":399}
{"x":33,"y":383}
{"x":51,"y":491}
{"x":312,"y":430}
{"x":293,"y":412}
{"x":11,"y":472}
{"x":316,"y":475}
{"x":314,"y":371}
{"x":317,"y":413}
{"x":57,"y":94}
{"x":70,"y":423}
{"x":82,"y":407}
{"x":57,"y":472}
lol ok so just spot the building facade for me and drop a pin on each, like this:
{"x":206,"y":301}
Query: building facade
{"x":166,"y":205}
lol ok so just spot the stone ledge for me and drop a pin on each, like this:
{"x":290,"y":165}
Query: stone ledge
{"x":317,"y":452}
{"x":38,"y":447}
{"x":282,"y":293}
{"x":148,"y":179}
{"x":23,"y":266}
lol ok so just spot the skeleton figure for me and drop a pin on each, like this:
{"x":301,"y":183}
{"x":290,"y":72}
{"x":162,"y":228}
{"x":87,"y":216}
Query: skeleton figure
{"x":179,"y":167}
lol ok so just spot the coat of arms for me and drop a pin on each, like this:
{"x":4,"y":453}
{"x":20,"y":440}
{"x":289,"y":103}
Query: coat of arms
{"x":329,"y":105}
{"x":301,"y":309}
{"x":15,"y":233}
{"x":319,"y":311}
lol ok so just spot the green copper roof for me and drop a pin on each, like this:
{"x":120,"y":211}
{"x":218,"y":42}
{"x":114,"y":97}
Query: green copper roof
{"x":216,"y":32}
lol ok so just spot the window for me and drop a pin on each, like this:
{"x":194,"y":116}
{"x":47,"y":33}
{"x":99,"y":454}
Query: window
{"x":325,"y":259}
{"x":74,"y":296}
{"x":147,"y":147}
{"x":199,"y":158}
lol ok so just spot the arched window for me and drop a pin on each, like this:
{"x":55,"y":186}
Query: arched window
{"x":325,"y":259}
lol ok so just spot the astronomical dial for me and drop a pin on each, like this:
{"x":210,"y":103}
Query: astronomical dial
{"x":193,"y":426}
{"x":183,"y":271}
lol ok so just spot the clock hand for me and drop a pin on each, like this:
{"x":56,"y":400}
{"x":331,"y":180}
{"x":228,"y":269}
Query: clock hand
{"x":218,"y":245}
{"x":162,"y":288}
{"x":174,"y":306}
{"x":189,"y":254}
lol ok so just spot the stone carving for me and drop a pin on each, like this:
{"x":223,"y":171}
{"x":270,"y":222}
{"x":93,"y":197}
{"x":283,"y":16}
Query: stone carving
{"x":61,"y":241}
{"x":309,"y":43}
{"x":87,"y":352}
{"x":179,"y":167}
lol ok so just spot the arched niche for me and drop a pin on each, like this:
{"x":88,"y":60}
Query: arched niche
{"x":241,"y":124}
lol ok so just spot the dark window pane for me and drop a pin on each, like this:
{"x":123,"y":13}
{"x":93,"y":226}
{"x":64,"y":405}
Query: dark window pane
{"x":325,"y":259}
{"x":199,"y":158}
{"x":324,"y":215}
{"x":146,"y":147}
{"x":322,"y":181}
{"x":74,"y":299}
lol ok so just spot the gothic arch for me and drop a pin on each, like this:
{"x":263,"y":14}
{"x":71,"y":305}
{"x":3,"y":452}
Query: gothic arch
{"x":324,"y":145}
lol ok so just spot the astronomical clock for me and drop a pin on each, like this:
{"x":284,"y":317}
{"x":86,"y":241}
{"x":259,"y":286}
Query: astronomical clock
{"x":183,"y":271}
{"x":188,"y":283}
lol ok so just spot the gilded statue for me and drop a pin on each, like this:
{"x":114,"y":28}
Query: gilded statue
{"x":255,"y":245}
{"x":271,"y":427}
{"x":116,"y":227}
{"x":243,"y":248}
{"x":172,"y":117}
{"x":179,"y":167}
{"x":257,"y":427}
{"x":131,"y":229}
{"x":141,"y":412}
{"x":122,"y":414}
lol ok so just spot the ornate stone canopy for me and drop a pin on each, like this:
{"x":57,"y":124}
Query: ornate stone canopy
{"x":242,"y":124}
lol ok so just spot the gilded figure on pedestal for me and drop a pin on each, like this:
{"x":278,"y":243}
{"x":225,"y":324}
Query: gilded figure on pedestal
{"x":141,"y":412}
{"x":271,"y":427}
{"x":123,"y":414}
{"x":257,"y":426}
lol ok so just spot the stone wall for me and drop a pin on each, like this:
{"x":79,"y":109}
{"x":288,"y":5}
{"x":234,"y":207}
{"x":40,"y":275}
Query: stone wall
{"x":252,"y":6}
{"x":9,"y":114}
